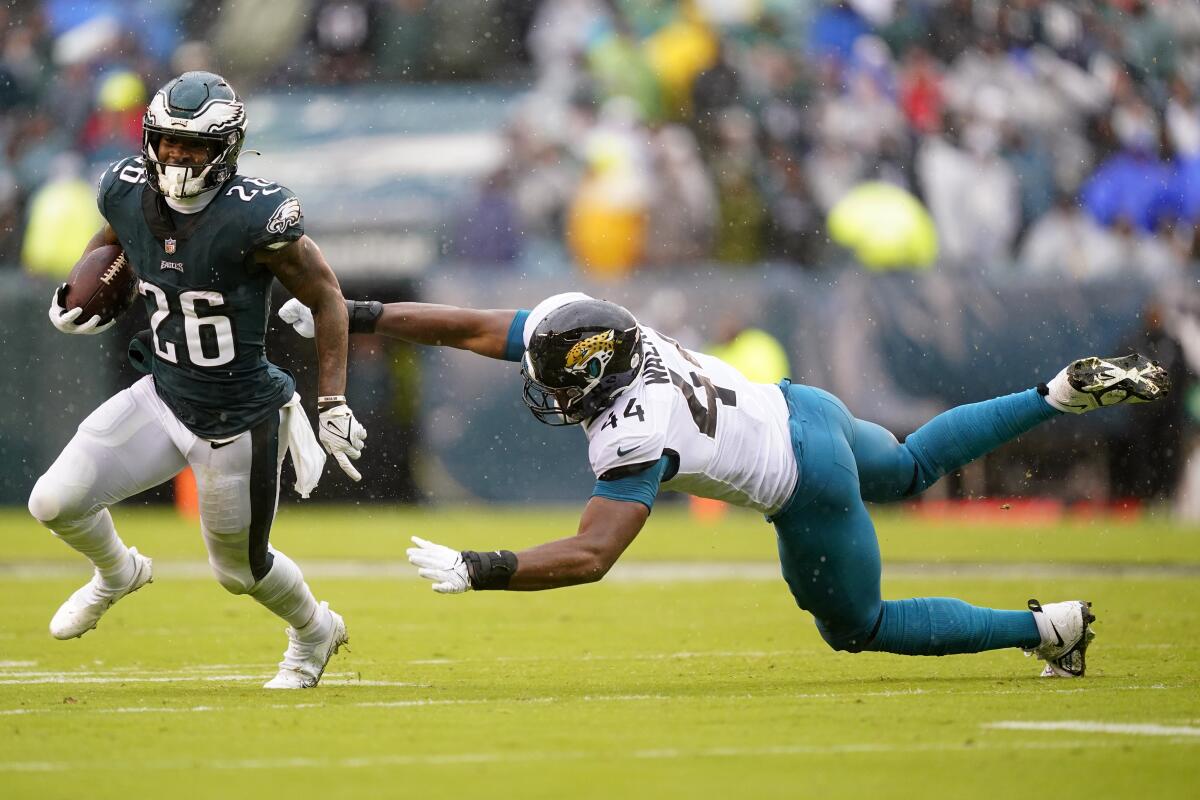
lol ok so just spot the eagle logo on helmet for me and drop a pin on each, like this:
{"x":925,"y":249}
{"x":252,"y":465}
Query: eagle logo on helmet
{"x":591,"y":355}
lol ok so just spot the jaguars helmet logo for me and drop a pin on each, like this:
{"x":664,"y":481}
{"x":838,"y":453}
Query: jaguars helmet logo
{"x":285,"y":216}
{"x":591,"y":355}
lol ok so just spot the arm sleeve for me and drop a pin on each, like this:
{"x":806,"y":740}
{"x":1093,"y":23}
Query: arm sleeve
{"x":636,"y":487}
{"x":514,"y":348}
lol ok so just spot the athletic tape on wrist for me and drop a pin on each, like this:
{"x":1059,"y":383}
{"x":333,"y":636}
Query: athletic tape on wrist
{"x":490,"y":570}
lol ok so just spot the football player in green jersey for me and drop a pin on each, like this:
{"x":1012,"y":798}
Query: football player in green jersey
{"x":206,"y":244}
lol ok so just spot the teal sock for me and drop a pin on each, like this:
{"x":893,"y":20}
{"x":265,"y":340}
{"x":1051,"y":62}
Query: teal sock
{"x":963,"y":434}
{"x":939,"y":626}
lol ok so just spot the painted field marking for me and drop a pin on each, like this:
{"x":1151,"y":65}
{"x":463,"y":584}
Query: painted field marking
{"x":663,"y":754}
{"x":1078,"y":726}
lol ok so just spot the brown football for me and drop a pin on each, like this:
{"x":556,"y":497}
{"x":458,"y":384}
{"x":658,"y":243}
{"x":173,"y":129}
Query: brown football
{"x":102,"y":283}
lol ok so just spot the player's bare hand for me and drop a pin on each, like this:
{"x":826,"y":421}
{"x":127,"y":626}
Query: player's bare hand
{"x":442,"y":565}
{"x":342,"y":437}
{"x":299,"y":316}
{"x":65,"y":320}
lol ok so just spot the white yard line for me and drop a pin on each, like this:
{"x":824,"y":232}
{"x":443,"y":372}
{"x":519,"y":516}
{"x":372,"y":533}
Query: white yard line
{"x":1077,"y":726}
{"x":653,"y":572}
{"x":507,"y":757}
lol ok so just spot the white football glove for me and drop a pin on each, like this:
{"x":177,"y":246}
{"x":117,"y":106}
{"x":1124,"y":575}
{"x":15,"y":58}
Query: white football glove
{"x":342,"y":437}
{"x":65,"y":320}
{"x":442,"y":565}
{"x":299,"y":316}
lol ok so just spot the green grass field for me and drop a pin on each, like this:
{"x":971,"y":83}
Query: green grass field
{"x":687,"y":672}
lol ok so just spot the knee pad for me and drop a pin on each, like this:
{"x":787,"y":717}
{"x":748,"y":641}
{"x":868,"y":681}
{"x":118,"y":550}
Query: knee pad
{"x":50,"y":504}
{"x":235,"y":580}
{"x":44,"y":503}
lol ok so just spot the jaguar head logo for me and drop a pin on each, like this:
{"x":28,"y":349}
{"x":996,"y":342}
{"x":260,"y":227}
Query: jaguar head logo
{"x":591,"y":355}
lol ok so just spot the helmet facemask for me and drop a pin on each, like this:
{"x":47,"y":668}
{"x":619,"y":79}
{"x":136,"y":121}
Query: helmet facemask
{"x":188,"y":180}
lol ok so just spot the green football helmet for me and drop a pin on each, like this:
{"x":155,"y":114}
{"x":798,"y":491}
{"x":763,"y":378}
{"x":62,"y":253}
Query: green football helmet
{"x":200,"y":106}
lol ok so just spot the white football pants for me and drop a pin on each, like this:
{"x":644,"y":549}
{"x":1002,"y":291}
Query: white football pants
{"x":133,"y":442}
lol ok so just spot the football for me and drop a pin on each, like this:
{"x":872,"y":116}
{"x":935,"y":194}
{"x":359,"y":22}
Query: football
{"x":102,"y":283}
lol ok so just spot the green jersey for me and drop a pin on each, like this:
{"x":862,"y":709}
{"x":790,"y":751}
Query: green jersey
{"x":207,"y":300}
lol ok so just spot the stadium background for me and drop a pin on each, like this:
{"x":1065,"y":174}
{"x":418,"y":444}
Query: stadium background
{"x":924,"y":202}
{"x":917,"y":203}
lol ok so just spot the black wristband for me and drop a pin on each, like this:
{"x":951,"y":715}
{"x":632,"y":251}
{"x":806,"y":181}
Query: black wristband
{"x":363,"y":315}
{"x":490,"y":570}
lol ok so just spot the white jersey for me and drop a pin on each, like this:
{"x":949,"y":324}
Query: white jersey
{"x":730,"y":435}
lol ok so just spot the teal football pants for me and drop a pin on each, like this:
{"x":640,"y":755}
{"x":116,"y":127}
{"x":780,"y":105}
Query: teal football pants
{"x":827,"y":544}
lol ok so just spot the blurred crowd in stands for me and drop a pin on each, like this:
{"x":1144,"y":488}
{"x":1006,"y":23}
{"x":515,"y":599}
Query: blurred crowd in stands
{"x":1057,"y":137}
{"x":1062,"y":135}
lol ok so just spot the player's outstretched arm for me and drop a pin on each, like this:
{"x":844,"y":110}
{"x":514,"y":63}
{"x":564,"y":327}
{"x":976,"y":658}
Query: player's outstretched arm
{"x":482,"y":331}
{"x":605,"y":530}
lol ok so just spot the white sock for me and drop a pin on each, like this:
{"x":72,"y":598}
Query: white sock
{"x":96,"y":538}
{"x":285,"y":593}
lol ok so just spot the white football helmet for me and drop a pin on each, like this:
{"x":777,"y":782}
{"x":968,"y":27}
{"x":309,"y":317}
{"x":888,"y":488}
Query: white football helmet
{"x":201,"y":106}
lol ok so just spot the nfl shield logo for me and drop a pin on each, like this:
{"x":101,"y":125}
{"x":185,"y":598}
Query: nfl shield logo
{"x":169,"y":246}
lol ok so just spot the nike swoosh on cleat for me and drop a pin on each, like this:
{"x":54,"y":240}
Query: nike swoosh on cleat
{"x":1056,"y":633}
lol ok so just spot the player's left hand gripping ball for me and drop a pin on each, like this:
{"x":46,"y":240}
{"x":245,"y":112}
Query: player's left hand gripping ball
{"x":68,"y":321}
{"x":342,"y":437}
{"x":442,"y":565}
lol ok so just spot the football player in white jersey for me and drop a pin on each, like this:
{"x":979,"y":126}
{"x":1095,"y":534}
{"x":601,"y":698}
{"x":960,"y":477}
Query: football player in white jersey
{"x":659,"y":416}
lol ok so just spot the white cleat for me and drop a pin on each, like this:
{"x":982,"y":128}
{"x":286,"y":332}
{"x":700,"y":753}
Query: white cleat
{"x":304,"y":662}
{"x":1066,"y":630}
{"x":1094,"y":382}
{"x":87,"y":605}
